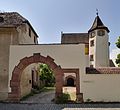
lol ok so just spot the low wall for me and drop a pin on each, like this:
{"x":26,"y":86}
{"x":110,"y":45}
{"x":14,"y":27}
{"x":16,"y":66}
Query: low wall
{"x":101,"y":84}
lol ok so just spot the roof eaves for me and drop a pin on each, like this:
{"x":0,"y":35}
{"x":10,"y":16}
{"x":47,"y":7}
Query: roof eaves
{"x":26,"y":21}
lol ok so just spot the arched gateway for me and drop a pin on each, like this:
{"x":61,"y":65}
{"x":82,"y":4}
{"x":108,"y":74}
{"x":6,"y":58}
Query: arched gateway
{"x":14,"y":95}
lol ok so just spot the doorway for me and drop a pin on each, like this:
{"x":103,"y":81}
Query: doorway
{"x":70,"y":82}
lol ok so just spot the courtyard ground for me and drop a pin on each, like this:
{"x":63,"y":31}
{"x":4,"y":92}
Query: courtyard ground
{"x":44,"y":98}
{"x":47,"y":97}
{"x":43,"y":102}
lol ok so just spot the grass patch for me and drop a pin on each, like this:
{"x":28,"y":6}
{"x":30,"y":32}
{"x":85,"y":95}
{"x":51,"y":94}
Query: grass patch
{"x":27,"y":96}
{"x":46,"y":89}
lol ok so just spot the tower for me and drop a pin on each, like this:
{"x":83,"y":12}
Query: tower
{"x":98,"y":44}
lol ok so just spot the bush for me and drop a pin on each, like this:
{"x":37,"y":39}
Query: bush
{"x":64,"y":98}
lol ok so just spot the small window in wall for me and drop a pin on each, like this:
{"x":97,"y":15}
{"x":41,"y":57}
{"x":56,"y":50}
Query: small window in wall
{"x":34,"y":39}
{"x":91,"y":66}
{"x":30,"y":81}
{"x":91,"y":58}
{"x":86,"y":49}
{"x":92,"y":43}
{"x":29,"y":32}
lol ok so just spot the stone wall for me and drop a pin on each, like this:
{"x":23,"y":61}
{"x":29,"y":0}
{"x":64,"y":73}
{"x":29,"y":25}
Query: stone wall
{"x":7,"y":37}
{"x":11,"y":36}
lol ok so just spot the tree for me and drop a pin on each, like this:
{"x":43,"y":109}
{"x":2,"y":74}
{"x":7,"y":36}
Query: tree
{"x":46,"y":74}
{"x":118,"y":56}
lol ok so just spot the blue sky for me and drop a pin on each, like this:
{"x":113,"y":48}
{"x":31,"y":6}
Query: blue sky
{"x":50,"y":17}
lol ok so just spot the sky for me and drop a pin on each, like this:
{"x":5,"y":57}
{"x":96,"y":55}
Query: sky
{"x":51,"y":17}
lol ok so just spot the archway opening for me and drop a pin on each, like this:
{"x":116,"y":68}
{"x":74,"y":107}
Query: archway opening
{"x":72,"y":77}
{"x":70,"y":82}
{"x":37,"y":79}
{"x":15,"y":94}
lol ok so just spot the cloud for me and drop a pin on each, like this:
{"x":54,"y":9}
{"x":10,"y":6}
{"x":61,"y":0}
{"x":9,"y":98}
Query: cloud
{"x":113,"y":54}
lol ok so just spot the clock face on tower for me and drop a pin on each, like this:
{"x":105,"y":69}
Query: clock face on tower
{"x":100,"y":32}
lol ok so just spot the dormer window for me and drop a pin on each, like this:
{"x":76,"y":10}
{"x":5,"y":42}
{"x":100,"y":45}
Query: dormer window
{"x":101,"y":32}
{"x":1,"y":19}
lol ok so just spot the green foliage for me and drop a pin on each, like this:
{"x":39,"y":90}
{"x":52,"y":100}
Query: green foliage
{"x":118,"y":60}
{"x":88,"y":100}
{"x":46,"y":89}
{"x":46,"y":74}
{"x":64,"y":98}
{"x":118,"y":56}
{"x":118,"y":42}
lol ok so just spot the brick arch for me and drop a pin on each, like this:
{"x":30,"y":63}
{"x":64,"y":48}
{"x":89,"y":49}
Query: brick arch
{"x":70,"y":76}
{"x":15,"y":93}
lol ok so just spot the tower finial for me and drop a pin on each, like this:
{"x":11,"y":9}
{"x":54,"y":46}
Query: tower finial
{"x":96,"y":11}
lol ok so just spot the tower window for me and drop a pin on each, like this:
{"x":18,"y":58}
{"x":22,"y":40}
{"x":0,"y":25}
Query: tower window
{"x":91,"y":66}
{"x":91,"y":58}
{"x":92,"y":34}
{"x":92,"y":43}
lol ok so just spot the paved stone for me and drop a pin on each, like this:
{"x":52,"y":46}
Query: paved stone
{"x":18,"y":106}
{"x":43,"y":102}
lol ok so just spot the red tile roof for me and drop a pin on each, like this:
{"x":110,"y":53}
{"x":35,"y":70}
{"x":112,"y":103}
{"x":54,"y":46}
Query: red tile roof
{"x":103,"y":70}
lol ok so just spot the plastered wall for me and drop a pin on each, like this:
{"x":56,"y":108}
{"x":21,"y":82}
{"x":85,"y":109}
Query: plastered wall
{"x":101,"y":87}
{"x":96,"y":87}
{"x":67,"y":56}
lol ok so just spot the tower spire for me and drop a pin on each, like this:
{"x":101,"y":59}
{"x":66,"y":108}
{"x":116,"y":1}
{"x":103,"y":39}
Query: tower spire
{"x":96,"y":11}
{"x":98,"y":24}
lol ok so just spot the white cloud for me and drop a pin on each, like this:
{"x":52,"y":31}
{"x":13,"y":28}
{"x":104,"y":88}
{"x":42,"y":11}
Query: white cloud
{"x":113,"y":54}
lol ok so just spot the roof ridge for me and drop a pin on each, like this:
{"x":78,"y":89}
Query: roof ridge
{"x":75,"y":33}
